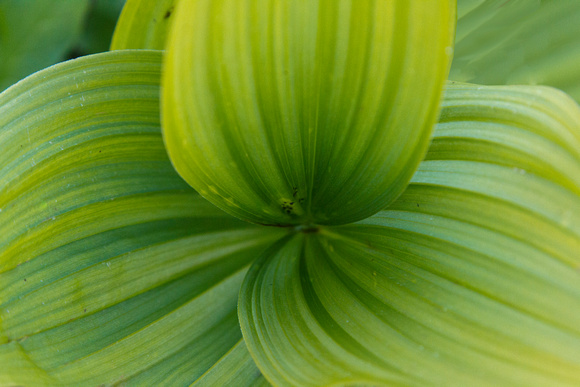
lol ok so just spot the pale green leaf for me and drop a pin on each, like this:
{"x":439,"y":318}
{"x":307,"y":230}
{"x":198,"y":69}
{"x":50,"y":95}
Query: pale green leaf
{"x":35,"y":34}
{"x":472,"y":277}
{"x":531,"y":129}
{"x":112,"y":269}
{"x":285,"y":112}
{"x":144,"y":24}
{"x":532,"y":42}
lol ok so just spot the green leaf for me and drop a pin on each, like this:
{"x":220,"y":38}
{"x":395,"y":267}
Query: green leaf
{"x":35,"y":34}
{"x":285,"y":113}
{"x":528,"y":42}
{"x":144,"y":24}
{"x":472,"y":277}
{"x":99,"y":26}
{"x":112,"y":269}
{"x":530,"y":129}
{"x":466,"y":6}
{"x":234,"y":369}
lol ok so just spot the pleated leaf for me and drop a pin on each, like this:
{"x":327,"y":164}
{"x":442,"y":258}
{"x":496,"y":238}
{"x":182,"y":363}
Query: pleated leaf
{"x":143,"y":24}
{"x":472,"y":277}
{"x":35,"y":34}
{"x":112,"y":269}
{"x":531,"y":42}
{"x":285,"y":112}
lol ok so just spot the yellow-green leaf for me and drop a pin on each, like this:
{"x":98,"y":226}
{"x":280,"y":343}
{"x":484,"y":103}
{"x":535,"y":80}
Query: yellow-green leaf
{"x":471,"y":277}
{"x":144,"y":24}
{"x":286,"y":112}
{"x":112,"y":269}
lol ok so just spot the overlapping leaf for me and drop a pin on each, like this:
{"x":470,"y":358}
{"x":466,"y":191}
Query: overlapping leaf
{"x":284,"y":112}
{"x":472,"y":277}
{"x":112,"y":270}
{"x":533,"y":42}
{"x":144,"y":24}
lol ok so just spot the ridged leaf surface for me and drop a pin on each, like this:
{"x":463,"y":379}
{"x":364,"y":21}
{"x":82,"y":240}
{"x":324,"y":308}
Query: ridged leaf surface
{"x":299,"y":112}
{"x":112,"y":269}
{"x":529,"y":42}
{"x":472,"y":277}
{"x":144,"y":24}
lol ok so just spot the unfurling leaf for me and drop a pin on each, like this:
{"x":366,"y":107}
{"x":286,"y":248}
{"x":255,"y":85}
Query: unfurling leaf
{"x":462,"y":268}
{"x":308,"y":112}
{"x":470,"y":278}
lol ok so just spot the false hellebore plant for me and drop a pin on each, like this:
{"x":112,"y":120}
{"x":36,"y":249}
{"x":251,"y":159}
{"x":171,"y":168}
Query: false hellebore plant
{"x":331,"y":236}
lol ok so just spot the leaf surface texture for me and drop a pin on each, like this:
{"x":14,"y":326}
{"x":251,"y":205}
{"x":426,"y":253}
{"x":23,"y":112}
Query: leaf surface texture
{"x":285,"y":113}
{"x":472,"y":277}
{"x":112,"y":269}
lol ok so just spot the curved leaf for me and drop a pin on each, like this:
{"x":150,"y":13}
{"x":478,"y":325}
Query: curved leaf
{"x":530,"y":129}
{"x":35,"y":34}
{"x":472,"y":277}
{"x":112,"y":269}
{"x":284,"y":113}
{"x":144,"y":24}
{"x":235,"y":368}
{"x":528,"y":42}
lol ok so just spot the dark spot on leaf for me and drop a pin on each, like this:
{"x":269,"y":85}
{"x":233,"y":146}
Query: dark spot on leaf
{"x":168,"y":13}
{"x":310,"y":230}
{"x":85,"y":310}
{"x":287,"y":206}
{"x":417,"y":204}
{"x":24,"y":279}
